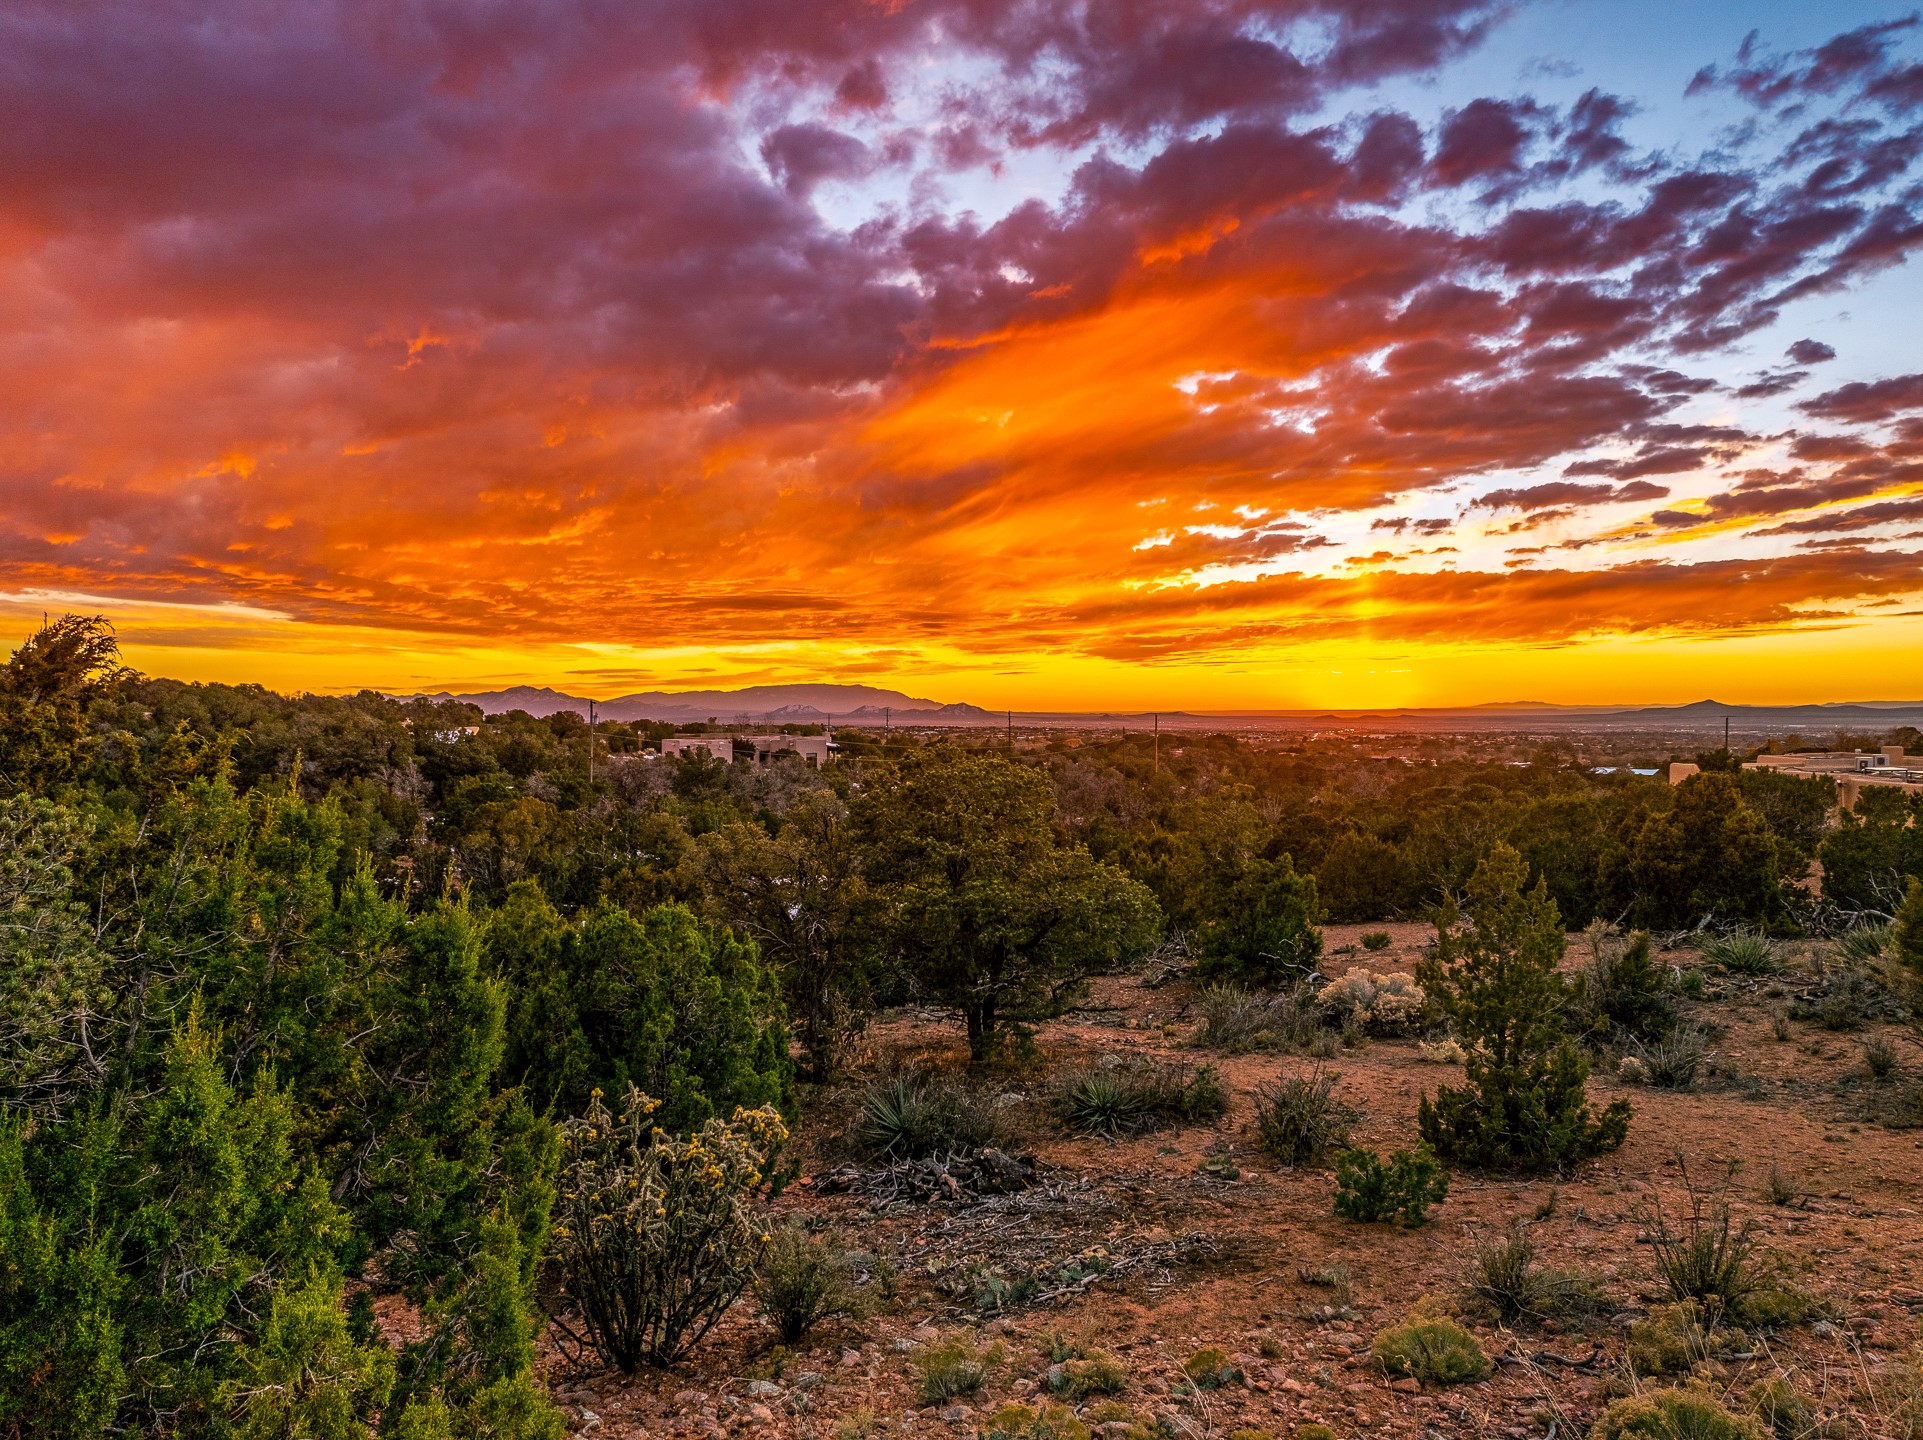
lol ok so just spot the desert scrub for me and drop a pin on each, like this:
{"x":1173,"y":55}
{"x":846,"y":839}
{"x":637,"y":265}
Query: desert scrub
{"x":1675,"y":1338}
{"x":1375,"y":940}
{"x":1864,"y":945}
{"x":1367,"y":1190}
{"x":1434,"y":1349}
{"x":1671,"y":1063}
{"x":1879,"y":1058}
{"x":1387,"y":1003}
{"x":1130,"y":1098}
{"x":1314,"y":1430}
{"x":953,"y":1369}
{"x":1622,"y":993}
{"x":1707,"y":1257}
{"x":1784,"y":1411}
{"x":904,"y":1117}
{"x":1298,"y":1120}
{"x":1021,"y":1422}
{"x":803,"y":1280}
{"x":1211,"y":1369}
{"x":1741,"y":952}
{"x":1237,"y":1021}
{"x":656,"y":1234}
{"x":1446,"y":1051}
{"x":1678,"y":1414}
{"x":1508,"y":1277}
{"x":1523,"y":1105}
{"x":1079,"y":1377}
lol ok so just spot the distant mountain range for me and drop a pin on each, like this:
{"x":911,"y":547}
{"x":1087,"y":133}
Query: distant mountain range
{"x":866,"y":705}
{"x":759,"y":704}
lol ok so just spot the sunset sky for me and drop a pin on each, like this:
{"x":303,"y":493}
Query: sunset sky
{"x":1204,"y":354}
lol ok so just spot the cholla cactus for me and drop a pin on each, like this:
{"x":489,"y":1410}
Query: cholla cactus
{"x":657,"y":1234}
{"x":1391,"y":1001}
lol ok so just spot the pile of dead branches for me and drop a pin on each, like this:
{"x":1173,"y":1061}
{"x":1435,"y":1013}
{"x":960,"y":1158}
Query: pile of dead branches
{"x":960,"y":1176}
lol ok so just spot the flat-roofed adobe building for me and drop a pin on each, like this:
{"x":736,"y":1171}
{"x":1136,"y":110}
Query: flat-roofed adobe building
{"x":815,"y":750}
{"x":1854,"y":771}
{"x":721,"y":747}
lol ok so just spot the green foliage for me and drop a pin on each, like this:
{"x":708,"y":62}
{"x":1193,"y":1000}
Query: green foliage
{"x":1084,"y":1376}
{"x":987,"y":909}
{"x":54,"y":993}
{"x":1906,"y":933}
{"x":1873,"y":853}
{"x":802,"y":897}
{"x":1708,"y":1258}
{"x":1433,"y":1349}
{"x":1129,"y":1098}
{"x":1740,"y":951}
{"x":1211,"y":1369}
{"x":1367,"y":1190}
{"x":1864,"y":945}
{"x":803,"y":1280}
{"x":1623,"y":993}
{"x":1674,"y":1338}
{"x":47,"y":687}
{"x":1298,"y":1120}
{"x":657,"y":1235}
{"x":659,"y":1002}
{"x":1496,"y":981}
{"x":1020,"y":1422}
{"x":1708,"y":856}
{"x":1507,"y":1275}
{"x":1677,"y":1414}
{"x":953,"y":1369}
{"x":1375,"y":940}
{"x":1784,"y":1411}
{"x":904,"y":1117}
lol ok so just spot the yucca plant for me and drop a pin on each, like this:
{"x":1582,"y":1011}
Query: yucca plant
{"x":1741,"y":952}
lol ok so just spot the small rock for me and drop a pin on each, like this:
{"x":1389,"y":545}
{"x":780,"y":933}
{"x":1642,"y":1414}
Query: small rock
{"x":761,"y":1414}
{"x":688,"y":1397}
{"x":1824,"y":1330}
{"x":1057,"y":1376}
{"x":850,"y":1359}
{"x":902,"y":1345}
{"x":808,"y":1379}
{"x":957,"y":1414}
{"x":1024,"y":1386}
{"x":764,"y":1389}
{"x":1407,"y":1385}
{"x":590,"y":1421}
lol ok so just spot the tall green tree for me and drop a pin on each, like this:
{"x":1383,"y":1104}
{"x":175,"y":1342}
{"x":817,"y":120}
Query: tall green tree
{"x":987,"y":908}
{"x":1250,"y":916}
{"x":47,"y":688}
{"x":803,"y":898}
{"x":1496,"y":979}
{"x":1708,"y":857}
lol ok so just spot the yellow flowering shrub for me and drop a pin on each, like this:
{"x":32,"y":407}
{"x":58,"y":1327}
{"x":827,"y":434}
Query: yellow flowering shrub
{"x":657,"y":1234}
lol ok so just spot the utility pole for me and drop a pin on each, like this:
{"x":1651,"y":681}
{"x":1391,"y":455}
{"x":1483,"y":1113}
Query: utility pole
{"x":1158,"y":742}
{"x":1726,"y":733}
{"x":1011,"y":732}
{"x":590,"y":744}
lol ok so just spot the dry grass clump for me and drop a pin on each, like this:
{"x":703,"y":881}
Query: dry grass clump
{"x":1211,"y":1369}
{"x":1741,"y":952}
{"x":1298,"y":1120}
{"x":1507,"y":1275}
{"x":1239,"y":1022}
{"x":803,"y":1280}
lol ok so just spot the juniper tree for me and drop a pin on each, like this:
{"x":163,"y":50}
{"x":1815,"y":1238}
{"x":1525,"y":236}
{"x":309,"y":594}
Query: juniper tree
{"x":1495,"y":978}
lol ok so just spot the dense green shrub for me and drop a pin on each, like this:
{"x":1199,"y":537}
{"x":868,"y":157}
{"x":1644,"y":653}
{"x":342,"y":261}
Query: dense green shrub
{"x":1367,"y":1190}
{"x":1434,"y":1349}
{"x":1090,"y":1373}
{"x":987,"y":909}
{"x":660,"y":1002}
{"x":1298,"y":1120}
{"x":1906,"y":933}
{"x":656,"y":1235}
{"x":1210,"y":1368}
{"x":1015,"y":1421}
{"x":1496,"y":980}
